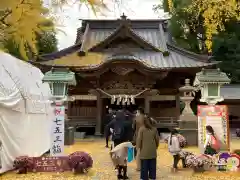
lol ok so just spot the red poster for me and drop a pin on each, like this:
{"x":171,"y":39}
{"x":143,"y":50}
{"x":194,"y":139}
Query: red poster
{"x":217,"y":117}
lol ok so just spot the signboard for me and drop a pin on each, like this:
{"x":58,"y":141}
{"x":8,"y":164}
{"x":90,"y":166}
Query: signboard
{"x":51,"y":164}
{"x":57,"y":141}
{"x":217,"y":117}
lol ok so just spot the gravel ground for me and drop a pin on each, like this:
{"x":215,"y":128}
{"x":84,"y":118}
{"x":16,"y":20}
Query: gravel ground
{"x":103,"y":169}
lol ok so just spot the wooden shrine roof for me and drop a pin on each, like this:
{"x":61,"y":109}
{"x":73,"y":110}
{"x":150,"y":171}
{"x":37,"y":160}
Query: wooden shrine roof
{"x":152,"y":51}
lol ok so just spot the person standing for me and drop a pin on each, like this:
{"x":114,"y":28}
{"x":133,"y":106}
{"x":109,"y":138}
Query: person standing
{"x":174,"y":148}
{"x":211,"y":145}
{"x":137,"y":123}
{"x":147,"y":143}
{"x":128,"y":135}
{"x":109,"y":117}
{"x":118,"y":126}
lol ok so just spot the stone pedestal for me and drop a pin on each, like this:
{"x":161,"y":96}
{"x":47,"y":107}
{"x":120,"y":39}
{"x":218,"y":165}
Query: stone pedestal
{"x":188,"y":127}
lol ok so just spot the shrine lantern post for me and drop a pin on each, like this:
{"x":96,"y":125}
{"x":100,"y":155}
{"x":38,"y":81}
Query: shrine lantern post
{"x":59,"y":79}
{"x":209,"y":82}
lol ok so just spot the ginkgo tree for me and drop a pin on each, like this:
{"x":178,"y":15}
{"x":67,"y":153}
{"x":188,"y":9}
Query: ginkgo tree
{"x":202,"y":18}
{"x":22,"y":20}
{"x":215,"y":14}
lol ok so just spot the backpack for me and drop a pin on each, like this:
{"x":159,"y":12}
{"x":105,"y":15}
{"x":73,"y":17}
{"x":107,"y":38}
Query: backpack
{"x":215,"y":143}
{"x":118,"y":130}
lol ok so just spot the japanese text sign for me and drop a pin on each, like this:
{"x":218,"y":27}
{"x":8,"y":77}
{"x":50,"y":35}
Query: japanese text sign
{"x":57,"y":141}
{"x":51,"y":164}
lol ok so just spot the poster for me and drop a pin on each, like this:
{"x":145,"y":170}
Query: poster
{"x":57,"y":141}
{"x":217,"y":117}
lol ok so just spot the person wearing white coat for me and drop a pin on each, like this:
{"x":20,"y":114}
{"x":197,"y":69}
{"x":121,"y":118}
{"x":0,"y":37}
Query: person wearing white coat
{"x":174,"y":148}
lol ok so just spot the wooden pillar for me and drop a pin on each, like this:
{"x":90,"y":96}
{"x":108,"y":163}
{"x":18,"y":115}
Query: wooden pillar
{"x":66,"y":105}
{"x":147,"y":105}
{"x":67,"y":110}
{"x":98,"y":116}
{"x":178,"y":106}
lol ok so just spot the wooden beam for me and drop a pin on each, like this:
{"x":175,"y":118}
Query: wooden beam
{"x":162,"y":98}
{"x":88,"y":97}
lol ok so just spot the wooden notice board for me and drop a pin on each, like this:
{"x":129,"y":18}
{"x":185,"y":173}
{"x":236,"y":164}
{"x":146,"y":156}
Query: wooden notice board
{"x":217,"y":117}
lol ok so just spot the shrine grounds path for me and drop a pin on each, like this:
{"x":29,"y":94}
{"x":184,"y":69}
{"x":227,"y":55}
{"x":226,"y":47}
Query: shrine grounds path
{"x":103,"y":169}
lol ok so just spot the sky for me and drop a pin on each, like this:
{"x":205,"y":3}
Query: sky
{"x":68,"y":17}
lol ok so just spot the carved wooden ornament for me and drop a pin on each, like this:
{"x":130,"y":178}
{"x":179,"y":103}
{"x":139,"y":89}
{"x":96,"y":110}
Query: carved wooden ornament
{"x":122,"y":70}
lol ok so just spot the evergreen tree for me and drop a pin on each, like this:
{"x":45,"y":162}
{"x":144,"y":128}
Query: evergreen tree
{"x":226,"y":48}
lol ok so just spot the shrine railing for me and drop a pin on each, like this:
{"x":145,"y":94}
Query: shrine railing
{"x":81,"y":121}
{"x":84,"y":121}
{"x":166,"y":122}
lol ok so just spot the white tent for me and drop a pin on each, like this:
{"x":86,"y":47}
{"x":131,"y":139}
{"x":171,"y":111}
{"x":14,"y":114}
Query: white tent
{"x":25,"y":112}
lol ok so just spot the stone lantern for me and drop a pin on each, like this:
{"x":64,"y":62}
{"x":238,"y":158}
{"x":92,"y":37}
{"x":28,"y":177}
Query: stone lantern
{"x":209,"y":81}
{"x":188,"y":93}
{"x":188,"y":121}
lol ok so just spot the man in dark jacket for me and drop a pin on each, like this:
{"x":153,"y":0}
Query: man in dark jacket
{"x":109,"y":117}
{"x":119,"y":128}
{"x":128,"y":123}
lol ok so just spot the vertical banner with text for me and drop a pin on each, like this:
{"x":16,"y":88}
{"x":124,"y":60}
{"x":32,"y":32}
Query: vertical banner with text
{"x":217,"y":117}
{"x":57,"y":141}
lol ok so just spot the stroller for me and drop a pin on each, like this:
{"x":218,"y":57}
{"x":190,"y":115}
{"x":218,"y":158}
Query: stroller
{"x":119,"y":157}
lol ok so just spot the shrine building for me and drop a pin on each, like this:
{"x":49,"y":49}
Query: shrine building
{"x":124,"y":63}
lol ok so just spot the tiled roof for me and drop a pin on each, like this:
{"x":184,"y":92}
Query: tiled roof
{"x":230,"y":91}
{"x":154,"y":60}
{"x":79,"y":35}
{"x":150,"y":31}
{"x":60,"y":54}
{"x":153,"y":36}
